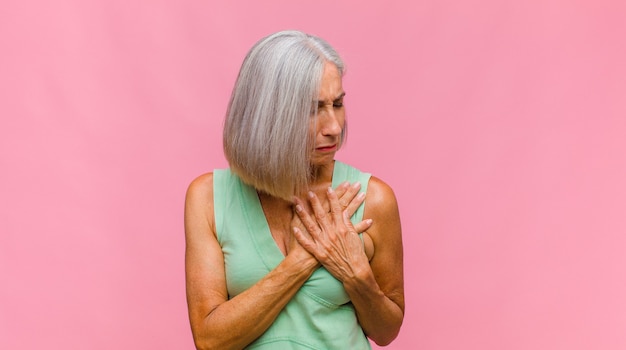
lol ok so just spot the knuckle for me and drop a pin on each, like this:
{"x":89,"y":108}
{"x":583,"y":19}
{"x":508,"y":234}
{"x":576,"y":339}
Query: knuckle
{"x":322,"y":255}
{"x":310,"y":226}
{"x":343,"y":231}
{"x":328,"y":244}
{"x":333,"y":238}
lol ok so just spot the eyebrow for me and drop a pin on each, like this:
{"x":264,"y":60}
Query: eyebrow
{"x":341,"y":95}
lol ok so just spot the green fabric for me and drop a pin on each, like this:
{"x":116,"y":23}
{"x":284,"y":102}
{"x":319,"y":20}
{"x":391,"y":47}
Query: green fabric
{"x":320,"y":315}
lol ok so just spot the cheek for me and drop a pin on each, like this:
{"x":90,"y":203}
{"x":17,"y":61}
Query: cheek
{"x":341,"y":117}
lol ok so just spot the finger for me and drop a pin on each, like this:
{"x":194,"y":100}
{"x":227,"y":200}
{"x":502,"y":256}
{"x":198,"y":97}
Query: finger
{"x":335,"y":208}
{"x":297,"y":222}
{"x":348,"y":222}
{"x":362,"y":226}
{"x":355,"y":204}
{"x":318,"y":210}
{"x":304,"y":203}
{"x":309,"y":223}
{"x":342,"y":189}
{"x":349,"y":194}
{"x":305,"y":241}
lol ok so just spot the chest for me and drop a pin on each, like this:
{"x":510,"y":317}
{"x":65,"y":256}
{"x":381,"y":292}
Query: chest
{"x":281,"y":217}
{"x":279,"y":222}
{"x":250,"y":252}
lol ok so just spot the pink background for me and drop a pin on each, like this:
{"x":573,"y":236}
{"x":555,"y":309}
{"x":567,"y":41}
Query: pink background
{"x":501,"y":125}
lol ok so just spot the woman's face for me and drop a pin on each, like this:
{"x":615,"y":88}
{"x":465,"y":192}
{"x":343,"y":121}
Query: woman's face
{"x":329,"y":122}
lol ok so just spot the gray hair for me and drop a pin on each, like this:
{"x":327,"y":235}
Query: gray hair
{"x":266,"y":132}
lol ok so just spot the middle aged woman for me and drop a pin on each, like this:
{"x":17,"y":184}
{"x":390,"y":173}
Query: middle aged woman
{"x":278,"y":255}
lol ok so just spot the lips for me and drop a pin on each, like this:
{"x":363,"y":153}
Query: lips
{"x":326,"y":148}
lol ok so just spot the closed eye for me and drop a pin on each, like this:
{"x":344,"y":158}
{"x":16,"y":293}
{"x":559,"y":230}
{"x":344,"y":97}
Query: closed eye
{"x":337,"y":103}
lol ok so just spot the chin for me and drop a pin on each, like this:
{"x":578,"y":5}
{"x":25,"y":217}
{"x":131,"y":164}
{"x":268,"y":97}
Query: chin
{"x":324,"y":160}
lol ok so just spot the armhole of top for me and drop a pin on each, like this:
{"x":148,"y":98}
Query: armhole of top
{"x":345,"y":172}
{"x":219,"y":176}
{"x":364,"y":179}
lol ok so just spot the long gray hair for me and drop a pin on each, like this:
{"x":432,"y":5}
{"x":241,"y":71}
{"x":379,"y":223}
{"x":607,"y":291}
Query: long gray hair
{"x":266,"y":132}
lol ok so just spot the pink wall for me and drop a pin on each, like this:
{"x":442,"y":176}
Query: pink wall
{"x":500,"y":124}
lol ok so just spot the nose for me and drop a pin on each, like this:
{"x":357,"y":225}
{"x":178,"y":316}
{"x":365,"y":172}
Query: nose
{"x":329,"y":123}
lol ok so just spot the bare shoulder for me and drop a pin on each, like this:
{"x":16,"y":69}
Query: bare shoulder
{"x":382,"y":207}
{"x":200,"y":190}
{"x":204,"y":262}
{"x":381,"y":199}
{"x":386,"y":234}
{"x":199,"y":201}
{"x":201,"y":185}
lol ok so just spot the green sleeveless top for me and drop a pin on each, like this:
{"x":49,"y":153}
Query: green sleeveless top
{"x":320,"y":315}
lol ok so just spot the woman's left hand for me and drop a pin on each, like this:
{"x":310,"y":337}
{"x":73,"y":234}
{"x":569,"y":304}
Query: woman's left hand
{"x":331,"y":237}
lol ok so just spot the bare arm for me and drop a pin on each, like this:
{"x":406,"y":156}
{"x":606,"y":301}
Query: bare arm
{"x":216,"y":321}
{"x":381,"y":310}
{"x":375,"y":287}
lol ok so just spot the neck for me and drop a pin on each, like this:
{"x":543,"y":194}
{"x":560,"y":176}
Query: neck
{"x":322,"y":173}
{"x":275,"y":202}
{"x":321,"y":178}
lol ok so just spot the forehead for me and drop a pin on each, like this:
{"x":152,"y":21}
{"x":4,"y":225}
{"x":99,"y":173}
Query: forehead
{"x":330,"y":87}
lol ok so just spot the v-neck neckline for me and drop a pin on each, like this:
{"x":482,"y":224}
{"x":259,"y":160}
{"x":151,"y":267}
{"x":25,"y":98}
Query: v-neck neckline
{"x":259,"y":227}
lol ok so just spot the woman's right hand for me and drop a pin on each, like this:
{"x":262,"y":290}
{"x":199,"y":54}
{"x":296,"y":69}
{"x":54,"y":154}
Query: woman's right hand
{"x":350,"y":200}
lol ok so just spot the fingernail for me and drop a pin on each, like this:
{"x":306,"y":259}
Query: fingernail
{"x":356,"y":185}
{"x":299,"y":208}
{"x":311,"y":194}
{"x":369,"y":221}
{"x":330,"y":189}
{"x":361,"y":196}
